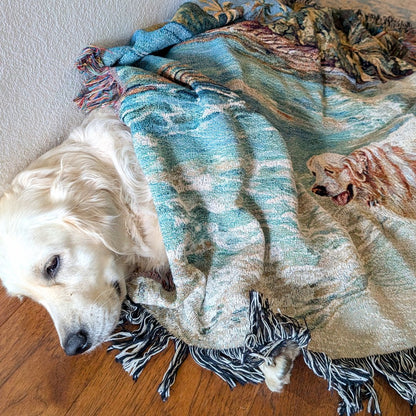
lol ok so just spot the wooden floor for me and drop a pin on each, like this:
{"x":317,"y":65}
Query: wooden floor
{"x":37,"y":378}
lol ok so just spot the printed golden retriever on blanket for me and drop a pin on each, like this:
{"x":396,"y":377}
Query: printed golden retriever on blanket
{"x":382,"y":174}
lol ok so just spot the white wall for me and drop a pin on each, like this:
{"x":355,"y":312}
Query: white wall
{"x":39,"y":42}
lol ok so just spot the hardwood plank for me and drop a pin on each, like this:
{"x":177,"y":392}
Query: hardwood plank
{"x":28,"y":329}
{"x":8,"y":305}
{"x":47,"y":383}
{"x":127,"y":397}
{"x":35,"y":375}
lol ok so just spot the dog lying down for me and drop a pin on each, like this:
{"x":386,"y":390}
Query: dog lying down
{"x":381,"y":174}
{"x":74,"y":226}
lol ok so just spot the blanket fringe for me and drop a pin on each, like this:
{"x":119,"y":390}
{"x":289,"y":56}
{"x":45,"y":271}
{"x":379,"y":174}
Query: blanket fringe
{"x":269,"y":334}
{"x":181,"y":353}
{"x":268,"y":329}
{"x":399,"y":368}
{"x":353,"y":378}
{"x":137,"y":347}
{"x":100,"y":86}
{"x":354,"y":384}
{"x":230,"y":365}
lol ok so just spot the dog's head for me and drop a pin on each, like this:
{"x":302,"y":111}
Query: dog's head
{"x":336,"y":176}
{"x":62,"y":242}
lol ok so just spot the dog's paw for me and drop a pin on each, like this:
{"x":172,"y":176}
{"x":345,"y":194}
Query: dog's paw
{"x":277,"y":369}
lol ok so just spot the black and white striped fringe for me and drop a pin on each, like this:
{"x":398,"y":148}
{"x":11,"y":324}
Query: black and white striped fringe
{"x":148,"y":339}
{"x":353,"y":378}
{"x":269,"y":333}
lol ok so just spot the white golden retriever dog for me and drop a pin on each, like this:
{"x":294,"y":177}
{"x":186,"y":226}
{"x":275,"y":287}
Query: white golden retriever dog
{"x":383,"y":174}
{"x":74,"y":225}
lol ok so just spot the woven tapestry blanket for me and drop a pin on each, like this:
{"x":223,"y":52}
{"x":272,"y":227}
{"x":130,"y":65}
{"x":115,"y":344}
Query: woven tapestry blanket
{"x":279,"y":144}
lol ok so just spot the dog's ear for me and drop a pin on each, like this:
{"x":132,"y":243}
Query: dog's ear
{"x":88,"y":190}
{"x":309,"y":162}
{"x":97,"y":222}
{"x":357,"y":164}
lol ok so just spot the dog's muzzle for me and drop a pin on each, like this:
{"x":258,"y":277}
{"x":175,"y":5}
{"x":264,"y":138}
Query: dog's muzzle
{"x":76,"y":343}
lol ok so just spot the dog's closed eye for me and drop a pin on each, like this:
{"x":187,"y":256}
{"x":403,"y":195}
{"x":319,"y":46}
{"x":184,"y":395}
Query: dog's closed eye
{"x":329,"y":171}
{"x":52,"y":267}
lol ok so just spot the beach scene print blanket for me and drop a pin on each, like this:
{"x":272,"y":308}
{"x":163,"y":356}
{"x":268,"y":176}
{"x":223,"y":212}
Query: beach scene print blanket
{"x":279,"y":143}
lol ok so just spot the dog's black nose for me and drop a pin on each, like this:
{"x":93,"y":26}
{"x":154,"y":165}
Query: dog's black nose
{"x":77,"y":343}
{"x":319,"y":190}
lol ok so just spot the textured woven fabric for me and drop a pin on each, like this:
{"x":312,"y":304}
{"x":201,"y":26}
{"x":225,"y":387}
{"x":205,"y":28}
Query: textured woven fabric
{"x":224,"y":122}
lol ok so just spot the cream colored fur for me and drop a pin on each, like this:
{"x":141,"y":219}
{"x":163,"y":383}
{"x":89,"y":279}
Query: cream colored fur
{"x":74,"y":225}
